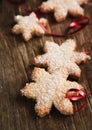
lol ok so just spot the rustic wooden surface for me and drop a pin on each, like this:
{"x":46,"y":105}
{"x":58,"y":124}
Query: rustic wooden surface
{"x":17,"y":112}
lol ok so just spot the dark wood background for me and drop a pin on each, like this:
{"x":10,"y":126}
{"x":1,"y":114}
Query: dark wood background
{"x":17,"y":112}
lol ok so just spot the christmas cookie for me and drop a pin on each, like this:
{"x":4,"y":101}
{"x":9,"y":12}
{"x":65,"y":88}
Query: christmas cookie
{"x":29,"y":26}
{"x":50,"y":89}
{"x":62,"y":7}
{"x":64,"y":55}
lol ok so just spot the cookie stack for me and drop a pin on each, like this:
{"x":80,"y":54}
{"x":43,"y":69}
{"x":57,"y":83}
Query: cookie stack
{"x":50,"y":87}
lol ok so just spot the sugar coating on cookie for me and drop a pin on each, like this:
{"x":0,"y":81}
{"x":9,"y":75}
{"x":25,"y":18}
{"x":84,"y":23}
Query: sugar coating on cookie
{"x":62,"y":7}
{"x":56,"y":56}
{"x":29,"y":26}
{"x":50,"y":89}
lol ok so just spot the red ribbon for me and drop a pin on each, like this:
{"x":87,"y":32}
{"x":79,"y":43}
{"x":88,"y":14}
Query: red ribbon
{"x":51,"y":33}
{"x":75,"y":26}
{"x":82,"y":95}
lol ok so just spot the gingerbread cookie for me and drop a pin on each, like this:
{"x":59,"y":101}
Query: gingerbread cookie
{"x":64,"y":55}
{"x":29,"y":25}
{"x":50,"y":89}
{"x":62,"y":7}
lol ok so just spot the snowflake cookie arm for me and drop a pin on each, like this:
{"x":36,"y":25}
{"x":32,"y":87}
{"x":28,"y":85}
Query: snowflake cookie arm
{"x":81,"y":2}
{"x":43,"y":105}
{"x":27,"y":35}
{"x":43,"y":21}
{"x":74,"y":70}
{"x":33,"y":90}
{"x":75,"y":9}
{"x":68,"y":45}
{"x":18,"y":18}
{"x":47,"y":6}
{"x":80,"y":57}
{"x":30,"y":90}
{"x":60,"y":13}
{"x":72,"y":85}
{"x":50,"y":46}
{"x":64,"y":106}
{"x":39,"y":30}
{"x":39,"y":75}
{"x":40,"y":60}
{"x":16,"y":29}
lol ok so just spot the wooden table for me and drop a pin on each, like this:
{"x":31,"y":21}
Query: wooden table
{"x":17,"y":112}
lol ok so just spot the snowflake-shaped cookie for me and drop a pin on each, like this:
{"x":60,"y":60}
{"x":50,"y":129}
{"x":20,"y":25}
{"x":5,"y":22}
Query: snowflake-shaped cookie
{"x":64,"y":55}
{"x":62,"y":7}
{"x":29,"y":25}
{"x":50,"y":89}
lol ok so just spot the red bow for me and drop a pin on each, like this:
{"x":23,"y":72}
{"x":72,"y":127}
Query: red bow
{"x":81,"y":95}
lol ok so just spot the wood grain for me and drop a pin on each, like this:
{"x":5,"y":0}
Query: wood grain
{"x":17,"y":112}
